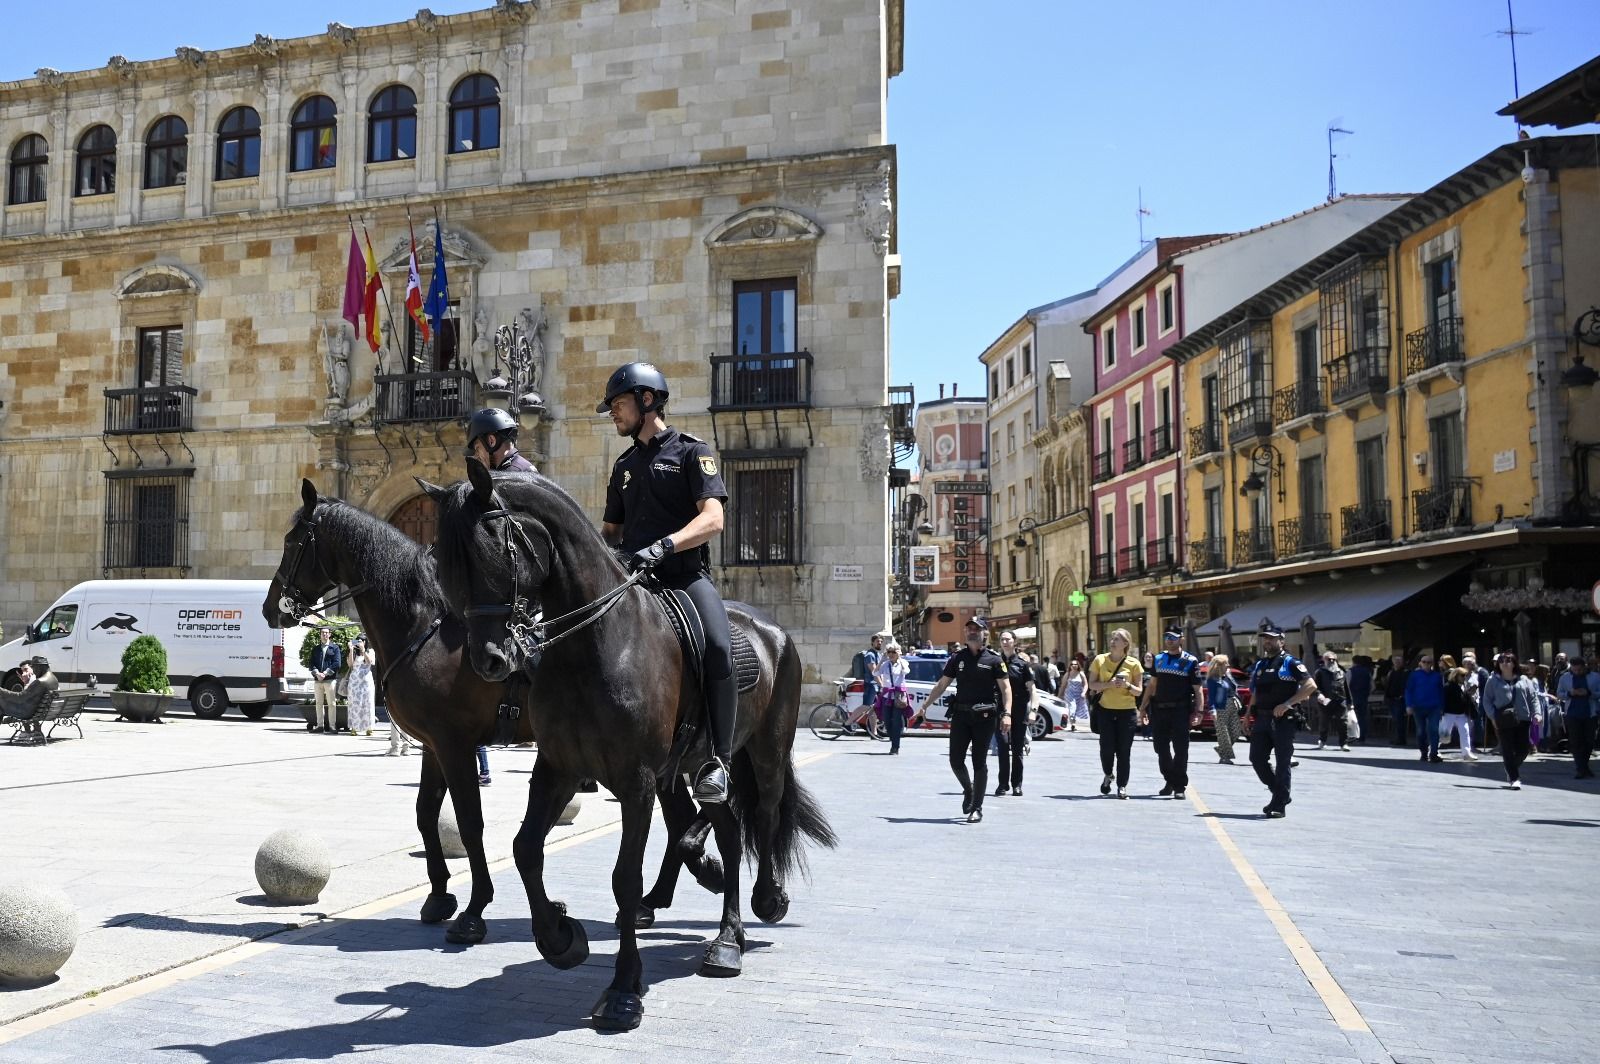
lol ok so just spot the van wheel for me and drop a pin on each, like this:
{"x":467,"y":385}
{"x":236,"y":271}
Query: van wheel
{"x":208,"y":699}
{"x":256,"y":710}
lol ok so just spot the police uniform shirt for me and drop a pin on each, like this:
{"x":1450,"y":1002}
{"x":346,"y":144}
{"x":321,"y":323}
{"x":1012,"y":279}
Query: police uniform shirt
{"x":1018,"y":672}
{"x":515,"y":463}
{"x":1273,"y":681}
{"x":1176,"y":677}
{"x":656,"y":489}
{"x":977,"y":676}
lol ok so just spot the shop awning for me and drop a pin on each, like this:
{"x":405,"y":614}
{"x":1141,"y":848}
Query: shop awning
{"x":1333,"y":604}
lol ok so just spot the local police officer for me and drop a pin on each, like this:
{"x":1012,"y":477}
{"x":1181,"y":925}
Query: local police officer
{"x":664,"y":503}
{"x":1013,"y":730}
{"x":1278,"y":683}
{"x":492,"y":440}
{"x":981,"y":692}
{"x":1168,"y":705}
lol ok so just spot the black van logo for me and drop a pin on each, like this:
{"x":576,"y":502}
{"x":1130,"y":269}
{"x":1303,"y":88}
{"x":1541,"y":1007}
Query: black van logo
{"x":120,"y":621}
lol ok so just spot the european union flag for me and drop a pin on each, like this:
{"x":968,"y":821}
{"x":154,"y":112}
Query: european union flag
{"x":439,"y":288}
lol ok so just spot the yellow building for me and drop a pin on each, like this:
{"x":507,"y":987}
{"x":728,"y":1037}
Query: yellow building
{"x":1379,"y":446}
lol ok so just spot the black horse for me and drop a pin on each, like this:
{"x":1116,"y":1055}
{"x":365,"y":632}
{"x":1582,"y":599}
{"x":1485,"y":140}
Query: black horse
{"x":611,"y":689}
{"x":433,"y":693}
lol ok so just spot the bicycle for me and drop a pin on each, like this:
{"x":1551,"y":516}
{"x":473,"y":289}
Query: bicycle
{"x":830,"y":720}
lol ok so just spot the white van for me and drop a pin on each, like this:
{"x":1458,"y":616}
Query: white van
{"x":220,"y":649}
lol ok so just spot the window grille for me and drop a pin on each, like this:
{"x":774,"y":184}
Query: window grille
{"x":147,"y":519}
{"x":763,"y":523}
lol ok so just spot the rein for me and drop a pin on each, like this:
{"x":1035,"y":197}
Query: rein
{"x":290,"y":602}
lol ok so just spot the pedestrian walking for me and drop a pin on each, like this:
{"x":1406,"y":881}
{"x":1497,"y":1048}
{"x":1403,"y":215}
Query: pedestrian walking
{"x":1576,"y":691}
{"x":483,"y":766}
{"x":1222,"y":692}
{"x":1052,"y":670}
{"x":892,"y":704}
{"x":864,"y":667}
{"x":1278,"y":683}
{"x":1116,"y":680}
{"x":1472,"y":687}
{"x":1394,"y":698}
{"x":1173,"y":700}
{"x":1333,"y":691}
{"x":326,"y":660}
{"x":982,"y":693}
{"x":360,"y":699}
{"x":1425,"y":704}
{"x":1075,"y":693}
{"x":1359,"y":680}
{"x":1458,"y":711}
{"x":1511,"y":697}
{"x":1013,"y":731}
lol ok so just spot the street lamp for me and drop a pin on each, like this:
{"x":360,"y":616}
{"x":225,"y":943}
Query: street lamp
{"x":1265,"y":461}
{"x":1578,"y":381}
{"x":1026,"y":527}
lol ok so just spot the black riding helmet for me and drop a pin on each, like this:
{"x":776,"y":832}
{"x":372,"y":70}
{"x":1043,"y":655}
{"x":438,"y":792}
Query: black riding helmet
{"x":635,"y":377}
{"x":490,"y":419}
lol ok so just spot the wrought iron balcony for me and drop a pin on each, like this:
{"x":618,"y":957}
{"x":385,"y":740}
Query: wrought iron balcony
{"x":1130,"y":560}
{"x":1163,"y":441}
{"x":1435,"y":345}
{"x":131,"y":411}
{"x":1101,"y":467}
{"x":1206,"y":554}
{"x":1447,"y":506}
{"x":1366,"y":522}
{"x":1254,"y":546}
{"x":1305,"y":534}
{"x":413,"y":397}
{"x":1204,"y":439}
{"x":1132,"y":454}
{"x":1359,"y":374}
{"x":1301,"y":399}
{"x":1160,"y":556}
{"x":761,"y":382}
{"x":1250,"y":419}
{"x":1102,"y":567}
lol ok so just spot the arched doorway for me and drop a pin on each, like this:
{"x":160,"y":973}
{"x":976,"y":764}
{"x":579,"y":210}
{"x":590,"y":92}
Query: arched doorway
{"x":418,"y":518}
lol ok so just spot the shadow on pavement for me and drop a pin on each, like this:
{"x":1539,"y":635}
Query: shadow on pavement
{"x":1552,"y":772}
{"x":924,"y":819}
{"x":1233,"y":816}
{"x":1566,"y":823}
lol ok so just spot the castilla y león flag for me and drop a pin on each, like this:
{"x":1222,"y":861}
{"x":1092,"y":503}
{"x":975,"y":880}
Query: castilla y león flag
{"x":414,"y":293}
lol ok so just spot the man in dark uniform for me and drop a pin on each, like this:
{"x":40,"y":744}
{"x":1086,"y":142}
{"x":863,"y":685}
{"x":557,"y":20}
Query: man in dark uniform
{"x":981,"y":692}
{"x":1170,"y":703}
{"x":1278,"y":683}
{"x":663,"y":504}
{"x":492,"y":440}
{"x":1013,"y":730}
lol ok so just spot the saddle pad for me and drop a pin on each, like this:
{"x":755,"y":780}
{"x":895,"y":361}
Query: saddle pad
{"x":746,"y":666}
{"x":686,"y":623}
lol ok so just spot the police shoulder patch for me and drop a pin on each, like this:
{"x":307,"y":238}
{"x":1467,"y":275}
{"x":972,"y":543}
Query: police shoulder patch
{"x":708,"y":465}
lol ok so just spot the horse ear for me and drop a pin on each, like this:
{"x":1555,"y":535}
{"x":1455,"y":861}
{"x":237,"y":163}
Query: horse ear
{"x":482,"y":483}
{"x":432,"y":491}
{"x":308,"y":494}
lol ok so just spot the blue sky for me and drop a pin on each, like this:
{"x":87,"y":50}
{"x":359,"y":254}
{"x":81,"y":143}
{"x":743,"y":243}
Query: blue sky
{"x":1026,"y":127}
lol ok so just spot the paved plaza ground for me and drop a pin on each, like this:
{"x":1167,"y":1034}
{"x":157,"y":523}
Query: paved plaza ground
{"x":1401,"y":913}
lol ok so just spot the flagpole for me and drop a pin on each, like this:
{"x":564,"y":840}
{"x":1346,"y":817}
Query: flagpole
{"x":383,"y":288}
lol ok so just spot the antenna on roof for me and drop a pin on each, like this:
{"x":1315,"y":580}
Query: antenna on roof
{"x":1511,"y":33}
{"x":1333,"y":183}
{"x":1144,"y":212}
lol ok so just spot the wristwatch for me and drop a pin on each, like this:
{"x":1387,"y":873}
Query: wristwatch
{"x":666,"y":544}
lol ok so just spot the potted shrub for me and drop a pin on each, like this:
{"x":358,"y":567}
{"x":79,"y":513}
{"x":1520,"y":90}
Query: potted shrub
{"x":343,"y":629}
{"x":143,"y":690}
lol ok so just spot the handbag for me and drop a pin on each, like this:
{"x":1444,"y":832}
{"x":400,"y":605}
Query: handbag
{"x":1352,"y":724}
{"x":1093,"y":697}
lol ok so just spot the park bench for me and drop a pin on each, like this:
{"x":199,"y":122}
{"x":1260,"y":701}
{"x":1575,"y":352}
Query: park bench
{"x":63,"y":709}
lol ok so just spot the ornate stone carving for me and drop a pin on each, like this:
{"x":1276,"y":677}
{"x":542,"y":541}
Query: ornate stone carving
{"x":459,"y":249}
{"x":427,"y":21}
{"x":873,"y":451}
{"x":51,"y":77}
{"x":193,"y":58}
{"x":515,"y":10}
{"x":519,"y":360}
{"x":265,"y":46}
{"x":763,"y":226}
{"x":875,"y":207}
{"x":342,"y":35}
{"x":122,"y":65}
{"x":157,"y":280}
{"x":336,"y":364}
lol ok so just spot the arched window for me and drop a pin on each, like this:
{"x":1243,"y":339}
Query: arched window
{"x":392,"y":125}
{"x":475,"y":114}
{"x":239,"y":144}
{"x":29,"y":159}
{"x":97,"y":162}
{"x":166,"y":153}
{"x":313,"y":135}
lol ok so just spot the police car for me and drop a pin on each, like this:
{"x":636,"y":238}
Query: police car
{"x":923,"y":672}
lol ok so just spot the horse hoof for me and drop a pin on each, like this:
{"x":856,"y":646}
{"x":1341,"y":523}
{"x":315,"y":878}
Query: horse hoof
{"x":561,"y":907}
{"x":617,"y":1010}
{"x":722,"y":961}
{"x":770,"y":908}
{"x":576,"y":951}
{"x":438,"y":908}
{"x":709,"y":875}
{"x":467,"y":930}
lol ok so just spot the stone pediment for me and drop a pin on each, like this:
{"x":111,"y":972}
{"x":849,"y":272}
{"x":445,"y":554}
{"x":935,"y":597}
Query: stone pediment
{"x":764,"y":227}
{"x":158,"y":281}
{"x":459,"y":250}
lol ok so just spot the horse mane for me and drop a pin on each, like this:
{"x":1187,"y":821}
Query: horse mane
{"x":398,"y":569}
{"x":535,"y":495}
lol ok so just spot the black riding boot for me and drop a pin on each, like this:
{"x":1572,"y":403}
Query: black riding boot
{"x":711,"y":785}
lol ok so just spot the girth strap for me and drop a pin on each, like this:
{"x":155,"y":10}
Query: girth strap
{"x":416,"y":645}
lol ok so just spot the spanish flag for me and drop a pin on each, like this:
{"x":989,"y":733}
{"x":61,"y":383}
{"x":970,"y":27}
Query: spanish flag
{"x":374,"y":291}
{"x":414,"y":293}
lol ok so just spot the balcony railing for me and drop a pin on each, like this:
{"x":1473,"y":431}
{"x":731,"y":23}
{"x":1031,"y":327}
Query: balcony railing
{"x":1204,"y":439}
{"x":1160,"y":556}
{"x":1102,"y":567}
{"x":1102,"y":467}
{"x":1206,"y":554}
{"x":1163,"y":441}
{"x":1435,"y":345}
{"x":1132,"y":454}
{"x":1254,"y":546}
{"x":1130,"y":560}
{"x":1300,"y":399}
{"x":1447,"y":506}
{"x":1366,"y":522}
{"x":1358,"y":374}
{"x":412,"y":397}
{"x":1305,"y":534}
{"x":761,"y":382}
{"x":1250,"y":419}
{"x":130,"y":411}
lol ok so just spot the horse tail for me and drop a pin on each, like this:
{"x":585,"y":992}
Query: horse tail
{"x":800,"y":819}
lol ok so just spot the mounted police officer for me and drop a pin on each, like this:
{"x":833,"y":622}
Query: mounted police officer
{"x":492,"y":440}
{"x":1278,"y":683}
{"x":663,"y":504}
{"x":1168,"y":704}
{"x":982,"y":692}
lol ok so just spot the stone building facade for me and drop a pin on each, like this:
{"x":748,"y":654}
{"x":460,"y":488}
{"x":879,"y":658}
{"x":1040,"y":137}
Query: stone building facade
{"x":953,"y":489}
{"x":667,"y":181}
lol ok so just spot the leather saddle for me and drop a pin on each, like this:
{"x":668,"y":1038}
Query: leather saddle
{"x":691,"y":632}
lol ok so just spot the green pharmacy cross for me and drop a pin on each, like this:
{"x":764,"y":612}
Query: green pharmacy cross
{"x":1078,"y":599}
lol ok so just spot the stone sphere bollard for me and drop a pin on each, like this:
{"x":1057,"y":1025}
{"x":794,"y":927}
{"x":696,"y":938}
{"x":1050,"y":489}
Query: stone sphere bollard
{"x":570,"y":812}
{"x":38,"y":932}
{"x":293,"y":866}
{"x":450,"y":832}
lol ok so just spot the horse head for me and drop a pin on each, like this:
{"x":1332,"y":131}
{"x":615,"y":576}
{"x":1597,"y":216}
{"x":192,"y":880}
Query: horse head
{"x":302,"y":577}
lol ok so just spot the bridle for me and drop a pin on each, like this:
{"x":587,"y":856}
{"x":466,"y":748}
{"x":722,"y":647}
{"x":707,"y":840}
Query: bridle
{"x":529,"y":629}
{"x":291,"y":601}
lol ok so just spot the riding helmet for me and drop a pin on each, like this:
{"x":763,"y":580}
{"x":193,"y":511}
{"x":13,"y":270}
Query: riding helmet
{"x":635,"y":377}
{"x":490,"y":419}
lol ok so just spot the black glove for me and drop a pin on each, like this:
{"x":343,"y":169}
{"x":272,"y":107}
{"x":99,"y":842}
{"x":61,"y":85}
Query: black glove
{"x":651,"y":556}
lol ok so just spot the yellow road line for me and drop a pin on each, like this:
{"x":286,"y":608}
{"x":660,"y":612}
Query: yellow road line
{"x":1337,"y":1002}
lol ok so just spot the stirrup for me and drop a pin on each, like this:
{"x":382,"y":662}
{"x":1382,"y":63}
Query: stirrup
{"x":711,"y":786}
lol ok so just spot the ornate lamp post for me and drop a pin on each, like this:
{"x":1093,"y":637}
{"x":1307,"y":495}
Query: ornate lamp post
{"x":1265,"y":461}
{"x":1027,"y":527}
